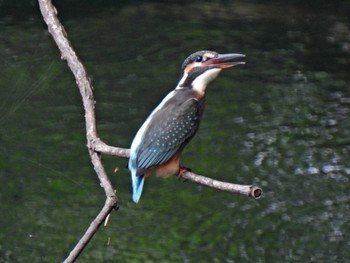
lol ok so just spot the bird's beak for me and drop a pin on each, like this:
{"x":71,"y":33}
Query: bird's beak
{"x":222,"y":61}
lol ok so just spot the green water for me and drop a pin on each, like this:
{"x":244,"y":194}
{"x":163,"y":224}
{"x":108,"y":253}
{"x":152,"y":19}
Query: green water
{"x":281,"y":121}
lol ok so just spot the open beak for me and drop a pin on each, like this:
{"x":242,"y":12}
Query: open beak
{"x":223,"y":61}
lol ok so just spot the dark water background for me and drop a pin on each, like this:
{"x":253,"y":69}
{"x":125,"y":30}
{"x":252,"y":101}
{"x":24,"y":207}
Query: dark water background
{"x":281,"y":122}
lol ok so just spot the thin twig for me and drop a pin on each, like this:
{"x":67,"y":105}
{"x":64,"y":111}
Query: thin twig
{"x":99,"y":146}
{"x":248,"y":190}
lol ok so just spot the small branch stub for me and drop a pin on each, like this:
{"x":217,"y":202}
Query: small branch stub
{"x":255,"y":192}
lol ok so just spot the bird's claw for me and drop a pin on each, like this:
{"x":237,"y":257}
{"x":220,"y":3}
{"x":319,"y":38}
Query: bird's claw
{"x":181,"y":173}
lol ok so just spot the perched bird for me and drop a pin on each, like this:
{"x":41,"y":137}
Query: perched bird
{"x":161,"y":139}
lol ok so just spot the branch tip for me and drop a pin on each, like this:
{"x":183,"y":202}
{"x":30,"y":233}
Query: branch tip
{"x":255,"y":192}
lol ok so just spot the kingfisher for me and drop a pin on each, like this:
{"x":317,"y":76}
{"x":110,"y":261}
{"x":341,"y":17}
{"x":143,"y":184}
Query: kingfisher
{"x":161,"y":139}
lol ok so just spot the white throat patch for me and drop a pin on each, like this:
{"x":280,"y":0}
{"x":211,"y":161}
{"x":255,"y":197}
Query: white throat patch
{"x":201,"y":82}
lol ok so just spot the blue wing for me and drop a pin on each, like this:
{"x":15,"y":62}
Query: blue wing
{"x":168,"y":132}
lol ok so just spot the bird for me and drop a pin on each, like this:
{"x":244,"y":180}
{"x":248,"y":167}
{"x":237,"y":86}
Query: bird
{"x":159,"y":142}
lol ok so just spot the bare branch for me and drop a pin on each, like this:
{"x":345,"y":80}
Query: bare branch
{"x":58,"y":33}
{"x":248,"y":190}
{"x":90,"y":232}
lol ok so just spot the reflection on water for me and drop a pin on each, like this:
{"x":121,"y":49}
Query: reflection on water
{"x":281,"y":122}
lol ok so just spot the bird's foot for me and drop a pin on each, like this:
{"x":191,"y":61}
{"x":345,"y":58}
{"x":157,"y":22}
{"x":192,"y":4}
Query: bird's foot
{"x":182,"y":171}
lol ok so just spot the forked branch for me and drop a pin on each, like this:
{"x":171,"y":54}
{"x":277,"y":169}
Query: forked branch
{"x":67,"y":53}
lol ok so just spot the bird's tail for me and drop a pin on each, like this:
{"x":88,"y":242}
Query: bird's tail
{"x":137,"y":186}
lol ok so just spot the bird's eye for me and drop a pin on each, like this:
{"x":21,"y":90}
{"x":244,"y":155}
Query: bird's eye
{"x":199,"y":58}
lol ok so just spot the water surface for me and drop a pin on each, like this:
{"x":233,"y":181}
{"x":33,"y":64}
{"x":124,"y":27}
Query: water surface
{"x":281,"y":121}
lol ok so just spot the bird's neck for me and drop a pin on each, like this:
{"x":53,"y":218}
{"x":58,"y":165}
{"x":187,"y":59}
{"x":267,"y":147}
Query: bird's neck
{"x":198,"y":93}
{"x":197,"y":87}
{"x":198,"y":84}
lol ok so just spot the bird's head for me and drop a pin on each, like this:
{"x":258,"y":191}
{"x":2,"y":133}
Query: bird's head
{"x":203,"y":66}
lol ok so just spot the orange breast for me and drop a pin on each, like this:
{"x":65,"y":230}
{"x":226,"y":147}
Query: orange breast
{"x":169,"y":168}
